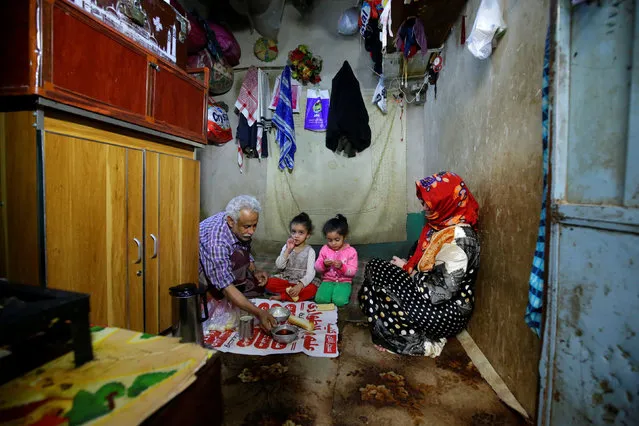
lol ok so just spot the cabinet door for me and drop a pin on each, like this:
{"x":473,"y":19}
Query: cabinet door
{"x":153,"y":240}
{"x":19,"y":188}
{"x":177,"y":224}
{"x":88,"y":211}
{"x":179,"y":101}
{"x":135,"y":239}
{"x":93,"y":64}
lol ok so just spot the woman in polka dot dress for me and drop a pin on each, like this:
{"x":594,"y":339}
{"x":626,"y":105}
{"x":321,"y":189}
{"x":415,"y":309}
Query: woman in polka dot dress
{"x":414,"y":304}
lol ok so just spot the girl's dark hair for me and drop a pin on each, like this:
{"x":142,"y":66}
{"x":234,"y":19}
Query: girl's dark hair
{"x":337,"y":224}
{"x":302,"y":219}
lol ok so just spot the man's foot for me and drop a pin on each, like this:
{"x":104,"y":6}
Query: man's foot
{"x":276,"y":297}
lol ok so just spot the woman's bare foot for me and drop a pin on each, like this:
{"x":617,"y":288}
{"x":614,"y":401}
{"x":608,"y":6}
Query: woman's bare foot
{"x":276,"y":297}
{"x":380,"y":348}
{"x":383,"y":349}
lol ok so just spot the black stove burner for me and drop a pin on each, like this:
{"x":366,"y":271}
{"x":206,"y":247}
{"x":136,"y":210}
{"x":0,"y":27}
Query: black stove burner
{"x":38,"y":325}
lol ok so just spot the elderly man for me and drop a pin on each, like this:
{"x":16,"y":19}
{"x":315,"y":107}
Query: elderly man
{"x":226,"y":264}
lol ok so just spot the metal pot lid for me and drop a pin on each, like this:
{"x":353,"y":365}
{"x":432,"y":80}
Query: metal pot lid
{"x":184,"y":290}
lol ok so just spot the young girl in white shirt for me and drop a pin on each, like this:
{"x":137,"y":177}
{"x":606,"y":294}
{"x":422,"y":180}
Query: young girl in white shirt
{"x":296,"y":263}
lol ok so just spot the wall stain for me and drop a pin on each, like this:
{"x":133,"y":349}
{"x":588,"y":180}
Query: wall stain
{"x":610,"y":413}
{"x":597,"y":399}
{"x":605,"y":386}
{"x":624,"y":354}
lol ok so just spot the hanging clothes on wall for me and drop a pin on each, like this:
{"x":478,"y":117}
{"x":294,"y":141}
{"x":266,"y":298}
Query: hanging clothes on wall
{"x":283,"y":122}
{"x":264,"y":114}
{"x":348,"y":130}
{"x":247,"y":139}
{"x":370,"y":31}
{"x":411,"y":38}
{"x":247,"y":100}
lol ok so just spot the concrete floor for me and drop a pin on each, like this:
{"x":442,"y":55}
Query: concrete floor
{"x":361,"y":387}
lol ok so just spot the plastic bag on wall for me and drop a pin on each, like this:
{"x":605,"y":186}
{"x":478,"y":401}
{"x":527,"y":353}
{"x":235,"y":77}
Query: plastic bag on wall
{"x":348,"y":22}
{"x":488,"y":23}
{"x":379,"y":97}
{"x":317,"y":104}
{"x":218,"y":126}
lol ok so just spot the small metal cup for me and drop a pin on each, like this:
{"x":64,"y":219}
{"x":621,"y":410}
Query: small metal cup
{"x":247,"y":324}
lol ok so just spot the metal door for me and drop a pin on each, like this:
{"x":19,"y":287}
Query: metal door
{"x":590,"y":360}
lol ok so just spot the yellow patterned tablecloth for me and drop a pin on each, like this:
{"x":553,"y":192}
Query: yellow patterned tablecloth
{"x":132,"y":375}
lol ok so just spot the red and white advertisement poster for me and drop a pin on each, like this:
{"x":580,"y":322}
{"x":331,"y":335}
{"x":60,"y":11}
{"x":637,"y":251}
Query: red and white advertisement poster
{"x":321,"y":342}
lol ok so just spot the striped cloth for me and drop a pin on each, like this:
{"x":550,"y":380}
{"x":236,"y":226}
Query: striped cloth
{"x":283,"y":122}
{"x":536,"y":282}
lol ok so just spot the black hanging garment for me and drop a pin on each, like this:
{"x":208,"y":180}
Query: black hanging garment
{"x":348,"y":128}
{"x":247,"y":136}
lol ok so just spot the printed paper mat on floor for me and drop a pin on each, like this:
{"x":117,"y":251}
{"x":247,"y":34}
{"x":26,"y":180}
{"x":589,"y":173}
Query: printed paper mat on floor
{"x":321,"y":342}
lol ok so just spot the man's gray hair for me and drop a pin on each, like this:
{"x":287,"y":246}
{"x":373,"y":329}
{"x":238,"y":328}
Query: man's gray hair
{"x":242,"y":202}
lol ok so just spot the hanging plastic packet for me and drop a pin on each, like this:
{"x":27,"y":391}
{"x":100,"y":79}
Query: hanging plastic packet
{"x":347,"y":24}
{"x":317,"y":104}
{"x":489,"y":24}
{"x":218,"y":126}
{"x":379,"y":97}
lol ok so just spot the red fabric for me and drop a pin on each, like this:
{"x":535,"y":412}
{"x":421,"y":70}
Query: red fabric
{"x":278,"y":285}
{"x":449,"y":202}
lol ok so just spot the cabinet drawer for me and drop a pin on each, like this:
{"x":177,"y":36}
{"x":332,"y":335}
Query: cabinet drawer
{"x":94,"y":65}
{"x":178,"y":100}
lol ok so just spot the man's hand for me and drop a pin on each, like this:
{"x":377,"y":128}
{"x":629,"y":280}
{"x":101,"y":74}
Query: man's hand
{"x":238,"y":299}
{"x":328,"y":263}
{"x":337,"y":264}
{"x":262,"y":278}
{"x":290,"y":245}
{"x":267,"y":322}
{"x":398,"y":262}
{"x":295,"y":290}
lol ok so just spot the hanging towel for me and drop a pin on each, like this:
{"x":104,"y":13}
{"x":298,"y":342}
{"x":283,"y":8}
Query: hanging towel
{"x":536,"y":282}
{"x":264,"y":114}
{"x":348,"y":128}
{"x":247,"y":100}
{"x":283,"y":122}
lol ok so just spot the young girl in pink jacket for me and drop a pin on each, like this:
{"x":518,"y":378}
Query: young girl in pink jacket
{"x":337,"y":262}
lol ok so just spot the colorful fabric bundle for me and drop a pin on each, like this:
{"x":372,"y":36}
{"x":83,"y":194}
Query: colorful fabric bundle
{"x":221,"y":73}
{"x":411,"y":38}
{"x":231,"y":49}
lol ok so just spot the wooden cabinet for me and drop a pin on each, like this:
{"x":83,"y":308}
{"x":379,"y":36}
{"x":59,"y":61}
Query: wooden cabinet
{"x":95,"y":210}
{"x":62,"y":53}
{"x":87,"y":239}
{"x":172,"y":218}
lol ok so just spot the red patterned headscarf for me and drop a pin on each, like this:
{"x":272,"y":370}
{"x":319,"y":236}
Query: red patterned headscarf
{"x":449,"y":202}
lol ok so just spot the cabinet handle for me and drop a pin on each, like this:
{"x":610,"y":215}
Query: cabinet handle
{"x":139,"y":250}
{"x":155,"y":246}
{"x":154,"y":66}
